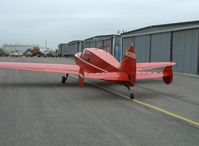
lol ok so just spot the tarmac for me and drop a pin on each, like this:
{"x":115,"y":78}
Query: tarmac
{"x":37,"y":110}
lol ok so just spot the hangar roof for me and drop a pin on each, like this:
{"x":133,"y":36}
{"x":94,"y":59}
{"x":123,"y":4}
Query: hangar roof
{"x":163,"y":28}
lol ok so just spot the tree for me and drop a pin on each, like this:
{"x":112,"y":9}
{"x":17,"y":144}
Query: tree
{"x":2,"y":52}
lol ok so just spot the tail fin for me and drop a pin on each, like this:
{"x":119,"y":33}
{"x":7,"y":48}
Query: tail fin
{"x":128,"y":64}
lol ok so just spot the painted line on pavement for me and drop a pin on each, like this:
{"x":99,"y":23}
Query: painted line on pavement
{"x":177,"y":116}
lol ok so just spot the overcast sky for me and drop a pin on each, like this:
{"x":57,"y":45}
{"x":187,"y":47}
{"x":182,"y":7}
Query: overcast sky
{"x":58,"y":21}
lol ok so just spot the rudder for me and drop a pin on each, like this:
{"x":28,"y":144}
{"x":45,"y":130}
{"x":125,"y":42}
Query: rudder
{"x":128,"y":65}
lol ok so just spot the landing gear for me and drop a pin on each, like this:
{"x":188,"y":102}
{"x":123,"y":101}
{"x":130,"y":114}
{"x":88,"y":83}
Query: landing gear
{"x":64,"y":78}
{"x":132,"y":96}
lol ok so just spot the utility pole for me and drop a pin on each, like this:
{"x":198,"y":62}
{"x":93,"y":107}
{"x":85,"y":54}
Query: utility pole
{"x":46,"y":44}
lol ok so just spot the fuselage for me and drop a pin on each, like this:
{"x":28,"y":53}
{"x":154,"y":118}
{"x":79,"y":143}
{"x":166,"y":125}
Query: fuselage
{"x":95,"y":60}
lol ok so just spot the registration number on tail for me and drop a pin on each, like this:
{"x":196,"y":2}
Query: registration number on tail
{"x":130,"y":54}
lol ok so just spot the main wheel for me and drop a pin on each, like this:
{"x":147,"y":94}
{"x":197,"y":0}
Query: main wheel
{"x":132,"y":96}
{"x":63,"y":79}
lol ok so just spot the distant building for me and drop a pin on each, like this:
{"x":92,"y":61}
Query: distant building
{"x":20,"y":48}
{"x":61,"y":49}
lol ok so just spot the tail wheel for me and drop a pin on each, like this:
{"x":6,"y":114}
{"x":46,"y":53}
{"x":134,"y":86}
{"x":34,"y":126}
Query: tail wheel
{"x":132,"y":96}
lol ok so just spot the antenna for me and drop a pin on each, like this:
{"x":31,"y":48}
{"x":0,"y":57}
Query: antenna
{"x":46,"y":44}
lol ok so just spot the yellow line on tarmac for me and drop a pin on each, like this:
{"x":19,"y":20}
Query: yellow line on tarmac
{"x":147,"y":105}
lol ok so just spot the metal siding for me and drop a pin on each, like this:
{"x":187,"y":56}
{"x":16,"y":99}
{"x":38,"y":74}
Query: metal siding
{"x":82,"y":46}
{"x":108,"y":45}
{"x":86,"y":45}
{"x":99,"y":44}
{"x":92,"y":44}
{"x":74,"y":48}
{"x":185,"y":51}
{"x":126,"y":42}
{"x":161,"y":47}
{"x":69,"y":49}
{"x":142,"y":46}
{"x":64,"y":48}
{"x":79,"y":47}
{"x":162,"y":27}
{"x":107,"y":42}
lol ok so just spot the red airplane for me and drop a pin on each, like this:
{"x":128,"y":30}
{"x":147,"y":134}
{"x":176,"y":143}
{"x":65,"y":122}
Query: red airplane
{"x":98,"y":64}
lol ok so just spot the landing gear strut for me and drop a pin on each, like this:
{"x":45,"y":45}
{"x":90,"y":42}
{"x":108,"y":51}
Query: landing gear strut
{"x":64,"y":78}
{"x":131,"y":94}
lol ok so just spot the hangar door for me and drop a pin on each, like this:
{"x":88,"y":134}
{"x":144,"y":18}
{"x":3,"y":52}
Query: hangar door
{"x":92,"y":44}
{"x":75,"y":47}
{"x":107,"y":45}
{"x":87,"y":45}
{"x":185,"y":51}
{"x":161,"y":47}
{"x":142,"y":46}
{"x":64,"y":49}
{"x":99,"y":44}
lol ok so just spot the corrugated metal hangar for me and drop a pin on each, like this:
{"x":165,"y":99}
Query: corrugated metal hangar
{"x":110,"y":43}
{"x":69,"y":49}
{"x":178,"y":42}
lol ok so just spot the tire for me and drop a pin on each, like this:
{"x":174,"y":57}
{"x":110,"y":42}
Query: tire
{"x":132,"y":96}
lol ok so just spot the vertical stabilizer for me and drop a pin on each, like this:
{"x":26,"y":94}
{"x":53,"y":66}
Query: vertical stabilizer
{"x":128,"y":64}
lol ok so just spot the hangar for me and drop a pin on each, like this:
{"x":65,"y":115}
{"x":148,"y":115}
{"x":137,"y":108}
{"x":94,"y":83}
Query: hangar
{"x":73,"y":47}
{"x":61,"y":49}
{"x":69,"y":49}
{"x":178,"y":42}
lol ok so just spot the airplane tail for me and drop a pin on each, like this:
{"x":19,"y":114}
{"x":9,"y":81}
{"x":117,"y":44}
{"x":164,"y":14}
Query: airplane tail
{"x":128,"y":65}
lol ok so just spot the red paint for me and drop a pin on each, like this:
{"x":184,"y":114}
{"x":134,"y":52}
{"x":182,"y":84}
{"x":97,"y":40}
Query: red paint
{"x":99,"y":64}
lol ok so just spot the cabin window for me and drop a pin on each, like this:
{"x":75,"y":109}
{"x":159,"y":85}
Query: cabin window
{"x":83,"y":55}
{"x":88,"y":56}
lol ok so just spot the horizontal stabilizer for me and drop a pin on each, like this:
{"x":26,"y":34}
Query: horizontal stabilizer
{"x":166,"y":75}
{"x":148,"y":75}
{"x":152,"y":65}
{"x":110,"y":76}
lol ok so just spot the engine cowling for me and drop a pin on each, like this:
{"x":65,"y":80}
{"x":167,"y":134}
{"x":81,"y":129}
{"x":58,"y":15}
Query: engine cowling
{"x":168,"y":75}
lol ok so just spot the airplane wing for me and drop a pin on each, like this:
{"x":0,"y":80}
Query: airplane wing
{"x":56,"y":68}
{"x":152,"y":65}
{"x":111,"y":76}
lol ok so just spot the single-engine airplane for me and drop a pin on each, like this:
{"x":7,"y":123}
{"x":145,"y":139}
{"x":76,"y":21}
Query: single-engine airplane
{"x":98,"y":64}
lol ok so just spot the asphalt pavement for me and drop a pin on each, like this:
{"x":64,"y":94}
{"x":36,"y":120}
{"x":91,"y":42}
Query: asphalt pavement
{"x":37,"y":110}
